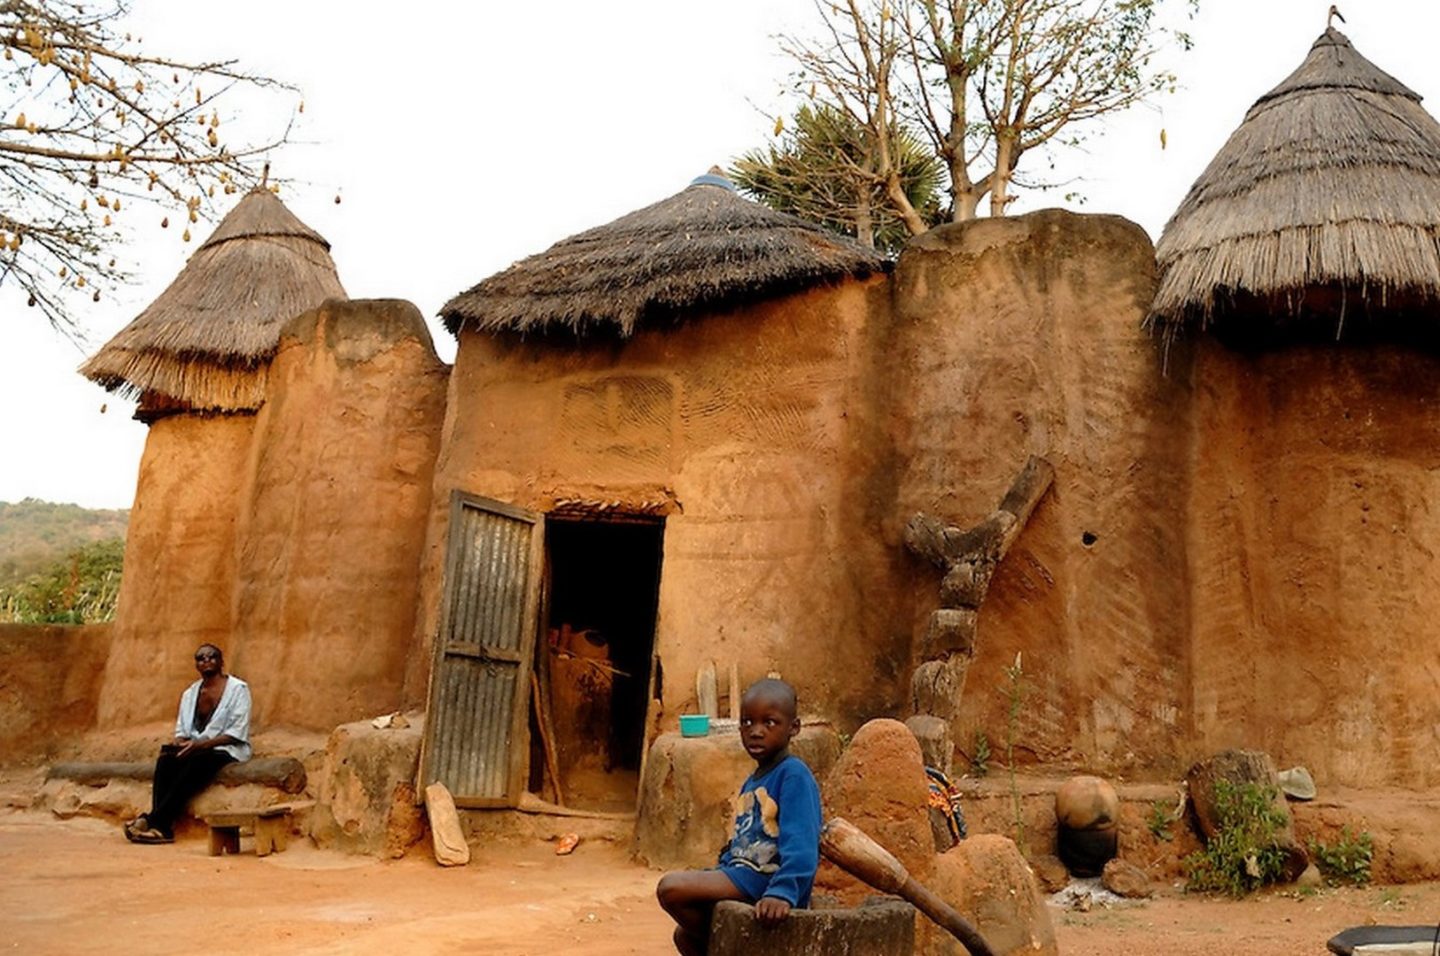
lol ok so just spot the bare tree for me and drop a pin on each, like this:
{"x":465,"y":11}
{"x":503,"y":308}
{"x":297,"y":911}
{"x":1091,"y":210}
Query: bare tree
{"x":94,"y":129}
{"x":985,"y":81}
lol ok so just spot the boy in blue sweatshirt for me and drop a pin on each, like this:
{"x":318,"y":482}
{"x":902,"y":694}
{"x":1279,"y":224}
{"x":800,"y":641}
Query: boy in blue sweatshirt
{"x":771,"y":858}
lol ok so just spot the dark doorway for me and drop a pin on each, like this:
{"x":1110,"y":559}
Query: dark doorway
{"x":604,"y":579}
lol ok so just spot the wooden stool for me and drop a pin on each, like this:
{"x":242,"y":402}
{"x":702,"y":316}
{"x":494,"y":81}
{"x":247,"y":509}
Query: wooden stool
{"x":271,"y":826}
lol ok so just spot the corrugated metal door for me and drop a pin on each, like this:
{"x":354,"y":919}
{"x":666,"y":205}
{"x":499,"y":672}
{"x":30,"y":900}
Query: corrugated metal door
{"x":477,"y":730}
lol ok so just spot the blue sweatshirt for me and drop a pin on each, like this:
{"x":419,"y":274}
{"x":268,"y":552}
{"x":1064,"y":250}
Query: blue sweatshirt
{"x":776,"y":846}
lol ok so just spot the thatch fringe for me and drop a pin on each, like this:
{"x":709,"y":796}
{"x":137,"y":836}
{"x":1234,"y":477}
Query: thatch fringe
{"x":207,"y":340}
{"x":703,"y":249}
{"x":1333,"y":179}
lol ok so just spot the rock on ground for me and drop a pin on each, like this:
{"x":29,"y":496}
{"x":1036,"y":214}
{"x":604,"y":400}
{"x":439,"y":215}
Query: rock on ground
{"x":987,"y":880}
{"x":879,"y":785}
{"x":366,"y":790}
{"x":1126,"y":879}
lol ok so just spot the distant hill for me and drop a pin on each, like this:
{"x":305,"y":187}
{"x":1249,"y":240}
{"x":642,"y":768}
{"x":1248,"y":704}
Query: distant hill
{"x":35,"y":534}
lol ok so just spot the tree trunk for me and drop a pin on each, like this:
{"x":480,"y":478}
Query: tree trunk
{"x":1239,"y":768}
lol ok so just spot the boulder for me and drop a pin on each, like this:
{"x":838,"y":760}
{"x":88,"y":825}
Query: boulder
{"x":1127,"y":880}
{"x":878,"y":927}
{"x":366,"y":793}
{"x":879,"y":785}
{"x":1050,"y":873}
{"x":988,"y":881}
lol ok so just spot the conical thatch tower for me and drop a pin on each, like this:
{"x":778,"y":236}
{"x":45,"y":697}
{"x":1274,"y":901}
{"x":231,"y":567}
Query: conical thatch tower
{"x":1325,"y":201}
{"x":205,"y":342}
{"x":704,"y":249}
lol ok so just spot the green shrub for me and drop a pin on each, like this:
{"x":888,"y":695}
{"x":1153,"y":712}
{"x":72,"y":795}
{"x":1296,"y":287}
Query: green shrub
{"x":1347,"y":860}
{"x":80,"y":589}
{"x":1242,"y":856}
{"x":1159,"y":821}
{"x":980,"y":762}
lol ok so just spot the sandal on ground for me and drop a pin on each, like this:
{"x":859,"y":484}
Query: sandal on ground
{"x":149,"y":835}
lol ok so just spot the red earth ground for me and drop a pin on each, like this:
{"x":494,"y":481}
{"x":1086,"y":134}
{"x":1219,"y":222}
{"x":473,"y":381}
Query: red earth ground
{"x":75,"y":886}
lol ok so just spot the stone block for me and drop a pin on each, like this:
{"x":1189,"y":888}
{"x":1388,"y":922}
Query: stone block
{"x":987,"y":880}
{"x":366,"y":791}
{"x":878,"y":927}
{"x":688,"y":792}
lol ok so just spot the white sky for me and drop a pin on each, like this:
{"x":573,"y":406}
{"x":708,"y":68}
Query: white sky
{"x":464,"y":136}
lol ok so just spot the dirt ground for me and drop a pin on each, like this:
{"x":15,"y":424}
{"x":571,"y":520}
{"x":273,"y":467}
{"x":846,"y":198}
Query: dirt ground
{"x":75,"y":886}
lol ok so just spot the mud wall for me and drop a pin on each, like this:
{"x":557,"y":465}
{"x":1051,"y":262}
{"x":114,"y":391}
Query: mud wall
{"x":745,"y":431}
{"x":333,"y":519}
{"x":50,"y":679}
{"x":179,"y":563}
{"x":1022,"y":336}
{"x":1314,"y":538}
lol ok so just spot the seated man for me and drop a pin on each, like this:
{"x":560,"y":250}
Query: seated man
{"x":212,"y":730}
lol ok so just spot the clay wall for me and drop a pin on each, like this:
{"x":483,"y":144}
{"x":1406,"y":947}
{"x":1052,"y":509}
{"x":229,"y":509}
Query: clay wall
{"x":1022,"y":336}
{"x":50,"y":679}
{"x":333,"y":519}
{"x":179,"y":563}
{"x":1314,"y":535}
{"x":745,"y":431}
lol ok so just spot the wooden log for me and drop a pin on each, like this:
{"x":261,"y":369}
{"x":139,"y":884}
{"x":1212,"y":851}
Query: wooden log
{"x":706,"y":690}
{"x":847,"y":846}
{"x":1239,"y":768}
{"x":877,"y":927}
{"x":283,"y":773}
{"x":547,"y":737}
{"x":950,"y":631}
{"x":936,"y":687}
{"x":984,"y":545}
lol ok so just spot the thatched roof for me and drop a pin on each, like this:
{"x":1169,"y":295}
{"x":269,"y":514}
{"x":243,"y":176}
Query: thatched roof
{"x":704,"y":249}
{"x":1327,"y":194}
{"x":207,"y":341}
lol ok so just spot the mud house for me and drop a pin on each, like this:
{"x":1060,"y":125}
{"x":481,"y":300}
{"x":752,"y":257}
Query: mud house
{"x":692,"y":439}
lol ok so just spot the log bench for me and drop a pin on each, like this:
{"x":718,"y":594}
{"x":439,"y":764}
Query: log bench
{"x":119,"y":789}
{"x":283,"y":773}
{"x":271,"y":826}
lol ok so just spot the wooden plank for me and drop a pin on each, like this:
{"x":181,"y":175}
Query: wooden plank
{"x":547,"y":738}
{"x":283,"y":773}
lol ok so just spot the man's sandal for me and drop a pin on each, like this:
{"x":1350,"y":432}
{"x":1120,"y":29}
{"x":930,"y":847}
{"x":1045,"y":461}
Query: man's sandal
{"x":149,"y":835}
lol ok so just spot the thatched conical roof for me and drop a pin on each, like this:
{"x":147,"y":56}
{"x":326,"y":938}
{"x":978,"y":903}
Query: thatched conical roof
{"x":704,"y":249}
{"x":1328,"y":194}
{"x":206,"y":342}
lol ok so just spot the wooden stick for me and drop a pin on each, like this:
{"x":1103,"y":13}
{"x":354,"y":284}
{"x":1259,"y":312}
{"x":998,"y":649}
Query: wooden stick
{"x":847,"y":846}
{"x":547,"y":740}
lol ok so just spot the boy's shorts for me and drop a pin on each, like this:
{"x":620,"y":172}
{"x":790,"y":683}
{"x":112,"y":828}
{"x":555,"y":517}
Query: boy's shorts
{"x":747,"y":881}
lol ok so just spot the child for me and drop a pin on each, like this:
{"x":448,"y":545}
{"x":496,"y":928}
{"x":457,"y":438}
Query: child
{"x":771,"y":858}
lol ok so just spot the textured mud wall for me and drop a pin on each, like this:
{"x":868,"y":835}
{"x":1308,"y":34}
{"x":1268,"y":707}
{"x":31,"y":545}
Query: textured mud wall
{"x":179,"y":563}
{"x":49,"y":682}
{"x":334,"y":516}
{"x":745,"y":431}
{"x":1022,"y":336}
{"x":1315,"y":530}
